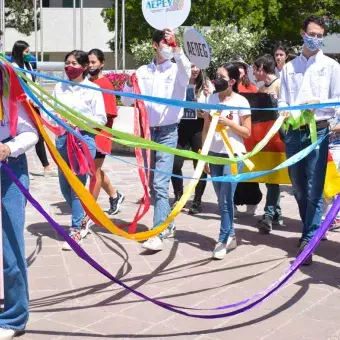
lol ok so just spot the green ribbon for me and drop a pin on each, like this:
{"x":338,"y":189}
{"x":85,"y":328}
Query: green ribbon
{"x":130,"y":140}
{"x":307,"y":117}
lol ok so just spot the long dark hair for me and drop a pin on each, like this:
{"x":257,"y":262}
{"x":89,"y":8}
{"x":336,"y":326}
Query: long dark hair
{"x":245,"y":81}
{"x":81,"y":57}
{"x":234,"y":73}
{"x":18,"y":55}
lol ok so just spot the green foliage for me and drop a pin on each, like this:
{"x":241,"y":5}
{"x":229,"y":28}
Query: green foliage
{"x":281,"y":19}
{"x":19,"y":14}
{"x":224,"y":41}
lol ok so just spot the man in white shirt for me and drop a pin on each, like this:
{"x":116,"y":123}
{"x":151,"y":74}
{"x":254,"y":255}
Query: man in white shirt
{"x":311,"y":76}
{"x":163,"y":79}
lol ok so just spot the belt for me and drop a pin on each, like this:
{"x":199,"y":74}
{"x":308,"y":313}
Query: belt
{"x":321,"y":124}
{"x":163,"y":127}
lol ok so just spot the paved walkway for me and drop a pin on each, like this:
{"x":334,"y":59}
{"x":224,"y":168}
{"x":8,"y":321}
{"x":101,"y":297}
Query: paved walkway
{"x":69,"y":300}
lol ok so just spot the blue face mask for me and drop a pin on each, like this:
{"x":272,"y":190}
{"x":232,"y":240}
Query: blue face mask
{"x":312,"y":43}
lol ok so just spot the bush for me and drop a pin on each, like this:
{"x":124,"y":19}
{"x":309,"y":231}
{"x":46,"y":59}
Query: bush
{"x":224,"y":40}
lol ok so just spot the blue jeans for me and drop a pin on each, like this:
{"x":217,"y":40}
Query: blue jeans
{"x":13,"y":207}
{"x":69,"y":195}
{"x":272,"y":208}
{"x":225,"y":196}
{"x":308,"y":178}
{"x":163,"y":161}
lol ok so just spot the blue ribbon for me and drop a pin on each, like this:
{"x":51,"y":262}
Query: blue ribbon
{"x":180,"y":103}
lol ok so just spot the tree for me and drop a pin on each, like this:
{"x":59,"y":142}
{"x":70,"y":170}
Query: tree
{"x":19,"y":14}
{"x":280,"y":18}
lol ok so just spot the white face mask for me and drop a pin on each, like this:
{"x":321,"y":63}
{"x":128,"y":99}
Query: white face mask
{"x":167,"y":53}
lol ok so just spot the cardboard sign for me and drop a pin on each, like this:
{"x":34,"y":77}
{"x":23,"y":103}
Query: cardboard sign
{"x":161,"y":14}
{"x":197,"y":48}
{"x":191,"y":96}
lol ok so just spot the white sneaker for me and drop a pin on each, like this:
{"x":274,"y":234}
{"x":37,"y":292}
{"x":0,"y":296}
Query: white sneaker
{"x":168,"y":232}
{"x":231,"y":243}
{"x":50,"y":173}
{"x":154,"y":244}
{"x":7,"y":334}
{"x":85,"y":226}
{"x":75,"y":235}
{"x":220,"y":251}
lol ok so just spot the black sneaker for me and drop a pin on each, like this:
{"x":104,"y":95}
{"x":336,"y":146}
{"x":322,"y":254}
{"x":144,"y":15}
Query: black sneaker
{"x":309,"y":259}
{"x":196,"y":208}
{"x":265,"y":225}
{"x":115,"y":203}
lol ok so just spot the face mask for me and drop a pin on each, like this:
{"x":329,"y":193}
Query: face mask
{"x":312,"y":43}
{"x":94,"y":72}
{"x":73,"y":72}
{"x":221,"y":85}
{"x":27,"y":58}
{"x":167,"y":53}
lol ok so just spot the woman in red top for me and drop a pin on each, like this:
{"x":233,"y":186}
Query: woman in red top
{"x":97,"y":61}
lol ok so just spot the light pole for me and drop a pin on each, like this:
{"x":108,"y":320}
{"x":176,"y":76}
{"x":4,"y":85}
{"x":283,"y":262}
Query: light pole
{"x":36,"y":30}
{"x":123,"y":33}
{"x":3,"y":25}
{"x":81,"y":24}
{"x":116,"y":35}
{"x":41,"y":32}
{"x":74,"y":25}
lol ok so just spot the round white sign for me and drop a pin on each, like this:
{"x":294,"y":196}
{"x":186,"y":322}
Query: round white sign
{"x":196,"y":48}
{"x":161,"y":14}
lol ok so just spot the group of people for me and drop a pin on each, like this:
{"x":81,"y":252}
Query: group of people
{"x":310,"y":76}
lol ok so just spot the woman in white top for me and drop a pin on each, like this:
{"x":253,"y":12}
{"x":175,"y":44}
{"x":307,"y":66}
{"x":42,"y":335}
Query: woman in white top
{"x":14,"y":317}
{"x":90,"y":103}
{"x":190,"y":135}
{"x":238,"y":125}
{"x":21,"y":57}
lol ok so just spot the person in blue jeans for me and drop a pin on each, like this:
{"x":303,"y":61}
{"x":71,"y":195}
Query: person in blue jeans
{"x":238,"y":126}
{"x":309,"y":77}
{"x":165,"y":79}
{"x":90,"y":103}
{"x":14,"y":317}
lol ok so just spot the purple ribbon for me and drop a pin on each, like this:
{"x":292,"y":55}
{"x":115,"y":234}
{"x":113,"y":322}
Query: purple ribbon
{"x":178,"y":309}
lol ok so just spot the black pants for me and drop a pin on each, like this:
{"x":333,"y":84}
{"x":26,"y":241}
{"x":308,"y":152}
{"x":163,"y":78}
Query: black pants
{"x":41,"y":151}
{"x":188,"y":138}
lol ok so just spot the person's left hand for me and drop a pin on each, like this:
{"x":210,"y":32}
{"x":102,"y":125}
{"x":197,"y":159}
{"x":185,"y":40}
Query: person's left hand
{"x":5,"y":151}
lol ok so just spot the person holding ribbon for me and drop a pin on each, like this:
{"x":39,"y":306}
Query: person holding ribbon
{"x":15,"y":141}
{"x":311,"y":77}
{"x":165,"y":79}
{"x":21,"y":57}
{"x":97,"y":61}
{"x":264,"y":70}
{"x":237,"y":124}
{"x":91,"y":104}
{"x":190,"y":136}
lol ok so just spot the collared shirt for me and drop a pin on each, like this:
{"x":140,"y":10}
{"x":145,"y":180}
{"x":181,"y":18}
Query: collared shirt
{"x":86,"y":101}
{"x":303,"y":80}
{"x":168,"y":80}
{"x":27,"y":135}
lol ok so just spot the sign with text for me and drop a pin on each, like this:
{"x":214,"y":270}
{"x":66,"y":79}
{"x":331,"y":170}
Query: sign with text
{"x":191,"y":96}
{"x":197,"y":48}
{"x":161,"y":14}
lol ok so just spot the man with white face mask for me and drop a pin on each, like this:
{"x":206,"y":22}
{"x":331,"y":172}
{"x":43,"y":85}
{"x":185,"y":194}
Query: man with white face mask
{"x":163,"y":79}
{"x":309,"y":77}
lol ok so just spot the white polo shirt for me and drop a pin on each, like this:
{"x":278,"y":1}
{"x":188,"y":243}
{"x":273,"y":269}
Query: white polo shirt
{"x":168,"y":80}
{"x":316,"y":78}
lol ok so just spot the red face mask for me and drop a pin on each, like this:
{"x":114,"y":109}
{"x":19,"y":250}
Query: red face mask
{"x":73,"y":72}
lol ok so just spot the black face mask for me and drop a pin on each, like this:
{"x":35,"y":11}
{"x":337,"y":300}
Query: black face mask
{"x":95,"y":72}
{"x":221,"y":85}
